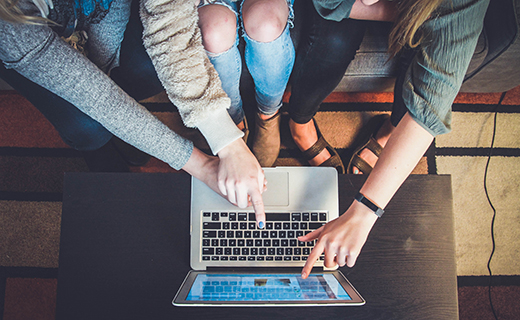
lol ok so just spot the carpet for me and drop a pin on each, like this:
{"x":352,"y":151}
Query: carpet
{"x":33,"y":159}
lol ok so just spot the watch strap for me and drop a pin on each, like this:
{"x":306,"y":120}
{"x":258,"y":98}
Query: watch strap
{"x":369,"y":204}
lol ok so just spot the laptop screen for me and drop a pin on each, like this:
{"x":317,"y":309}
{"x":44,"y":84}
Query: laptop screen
{"x":266,"y":287}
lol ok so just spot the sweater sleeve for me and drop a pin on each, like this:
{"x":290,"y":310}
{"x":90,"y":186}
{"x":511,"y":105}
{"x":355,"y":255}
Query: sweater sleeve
{"x":173,"y":41}
{"x":38,"y":54}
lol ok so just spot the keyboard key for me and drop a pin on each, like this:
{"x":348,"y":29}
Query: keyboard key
{"x":258,"y":243}
{"x":314,"y":216}
{"x":286,"y":226}
{"x":282,"y":234}
{"x":236,"y":251}
{"x":228,"y":251}
{"x":219,"y":251}
{"x":234,"y":225}
{"x":315,"y":225}
{"x":256,"y":234}
{"x":296,"y":217}
{"x":254,"y":251}
{"x":250,"y":258}
{"x":205,"y":242}
{"x":305,"y":216}
{"x":223,"y":242}
{"x":306,"y":251}
{"x":260,"y":258}
{"x":247,"y":234}
{"x":273,"y":234}
{"x":265,"y":234}
{"x":271,"y":251}
{"x":208,"y":251}
{"x":241,"y":242}
{"x":251,"y":226}
{"x":271,"y":216}
{"x":278,"y":258}
{"x":232,"y":242}
{"x":250,"y":242}
{"x":269,"y":258}
{"x":233,"y":258}
{"x":279,"y":251}
{"x":223,"y":258}
{"x":287,"y":258}
{"x":296,"y":258}
{"x":304,"y":226}
{"x":242,"y":216}
{"x":267,"y":243}
{"x":206,"y":258}
{"x":262,"y":251}
{"x":206,"y":214}
{"x":230,"y":234}
{"x":212,"y":225}
{"x":215,"y":258}
{"x":284,"y":242}
{"x":222,"y":234}
{"x":209,"y":234}
{"x":214,"y":242}
{"x":224,"y":214}
{"x":241,"y":258}
{"x":215,"y":216}
{"x":276,"y":242}
{"x":226,"y":225}
{"x":295,"y":225}
{"x":269,"y":225}
{"x":232,"y":216}
{"x":243,"y":225}
{"x":245,"y":251}
{"x":299,"y":233}
{"x":238,"y":234}
{"x":323,"y":216}
{"x":293,"y":242}
{"x":290,"y":234}
{"x":298,"y":251}
{"x":278,"y":226}
{"x":288,"y":251}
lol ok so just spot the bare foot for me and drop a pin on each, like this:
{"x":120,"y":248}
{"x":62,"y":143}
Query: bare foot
{"x":305,"y":136}
{"x":382,"y":137}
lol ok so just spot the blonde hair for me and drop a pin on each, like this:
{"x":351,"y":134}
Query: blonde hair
{"x":9,"y":11}
{"x":411,"y":15}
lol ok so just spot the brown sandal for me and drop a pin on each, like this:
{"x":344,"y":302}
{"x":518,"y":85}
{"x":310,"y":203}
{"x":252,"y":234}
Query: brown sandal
{"x":367,"y":140}
{"x":319,"y":146}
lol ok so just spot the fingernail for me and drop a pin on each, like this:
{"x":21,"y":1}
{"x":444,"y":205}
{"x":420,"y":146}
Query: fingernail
{"x":356,"y":171}
{"x":261,"y":224}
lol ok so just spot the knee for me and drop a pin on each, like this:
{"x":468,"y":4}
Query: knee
{"x":264,"y":21}
{"x":218,"y":27}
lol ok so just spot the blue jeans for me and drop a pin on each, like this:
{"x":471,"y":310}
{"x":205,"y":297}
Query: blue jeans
{"x":135,"y":74}
{"x":269,"y":63}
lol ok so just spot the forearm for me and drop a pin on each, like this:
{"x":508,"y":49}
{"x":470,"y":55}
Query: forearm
{"x":173,"y":40}
{"x":406,"y":146}
{"x":46,"y":60}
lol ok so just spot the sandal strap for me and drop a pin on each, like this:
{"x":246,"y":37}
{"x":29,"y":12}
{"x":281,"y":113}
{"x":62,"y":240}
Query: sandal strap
{"x":315,"y":149}
{"x":374,"y":146}
{"x":361,"y":164}
{"x":335,"y":162}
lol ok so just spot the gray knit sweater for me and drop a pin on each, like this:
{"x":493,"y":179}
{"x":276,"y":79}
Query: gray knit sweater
{"x":173,"y":41}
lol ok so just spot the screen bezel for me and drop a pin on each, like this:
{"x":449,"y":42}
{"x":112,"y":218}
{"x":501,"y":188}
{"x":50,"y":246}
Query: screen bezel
{"x":182,"y":293}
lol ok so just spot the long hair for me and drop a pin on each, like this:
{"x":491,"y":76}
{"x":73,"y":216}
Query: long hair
{"x":9,"y":11}
{"x":411,"y":14}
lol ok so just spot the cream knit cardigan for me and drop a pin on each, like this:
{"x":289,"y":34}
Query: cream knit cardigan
{"x":173,"y":40}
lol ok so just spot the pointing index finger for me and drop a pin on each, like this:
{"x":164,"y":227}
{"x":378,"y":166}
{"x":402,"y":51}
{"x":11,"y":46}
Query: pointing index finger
{"x":313,"y":257}
{"x":258,"y":206}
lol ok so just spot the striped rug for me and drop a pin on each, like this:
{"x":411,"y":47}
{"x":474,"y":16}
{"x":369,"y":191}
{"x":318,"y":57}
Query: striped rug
{"x":33,"y":159}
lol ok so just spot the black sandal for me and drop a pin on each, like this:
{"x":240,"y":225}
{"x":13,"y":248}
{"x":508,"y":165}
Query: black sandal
{"x":334,"y":160}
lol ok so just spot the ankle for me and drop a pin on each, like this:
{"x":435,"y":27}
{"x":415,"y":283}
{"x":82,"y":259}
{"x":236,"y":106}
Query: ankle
{"x":266,"y":117}
{"x":304,"y":135}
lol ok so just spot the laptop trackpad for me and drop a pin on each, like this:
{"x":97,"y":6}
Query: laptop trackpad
{"x":277,"y":193}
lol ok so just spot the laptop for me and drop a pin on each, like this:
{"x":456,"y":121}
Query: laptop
{"x":236,"y":264}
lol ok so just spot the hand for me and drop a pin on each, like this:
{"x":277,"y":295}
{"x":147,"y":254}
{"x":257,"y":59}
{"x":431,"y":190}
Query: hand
{"x":341,"y":239}
{"x":241,"y":179}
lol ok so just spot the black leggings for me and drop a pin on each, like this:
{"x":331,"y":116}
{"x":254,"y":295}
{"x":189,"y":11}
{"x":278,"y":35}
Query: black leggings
{"x":325,"y":50}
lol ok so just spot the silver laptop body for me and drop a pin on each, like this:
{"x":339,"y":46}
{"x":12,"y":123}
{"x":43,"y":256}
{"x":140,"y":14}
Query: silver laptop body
{"x":307,"y":195}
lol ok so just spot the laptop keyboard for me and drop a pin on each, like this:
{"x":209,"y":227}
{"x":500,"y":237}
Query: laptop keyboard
{"x":234,"y":236}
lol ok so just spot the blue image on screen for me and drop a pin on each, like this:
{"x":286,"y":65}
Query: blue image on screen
{"x":266,"y":287}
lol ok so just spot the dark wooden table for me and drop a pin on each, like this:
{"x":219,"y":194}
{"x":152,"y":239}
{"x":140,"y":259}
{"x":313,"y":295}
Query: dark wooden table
{"x":124,"y":252}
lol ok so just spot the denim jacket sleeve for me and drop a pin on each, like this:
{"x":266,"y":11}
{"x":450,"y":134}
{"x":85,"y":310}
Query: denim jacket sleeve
{"x":37,"y":53}
{"x":436,"y":73}
{"x":174,"y":43}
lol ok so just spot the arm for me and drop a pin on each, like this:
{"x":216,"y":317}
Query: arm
{"x":40,"y":55}
{"x":343,"y":238}
{"x":173,"y":40}
{"x":432,"y":82}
